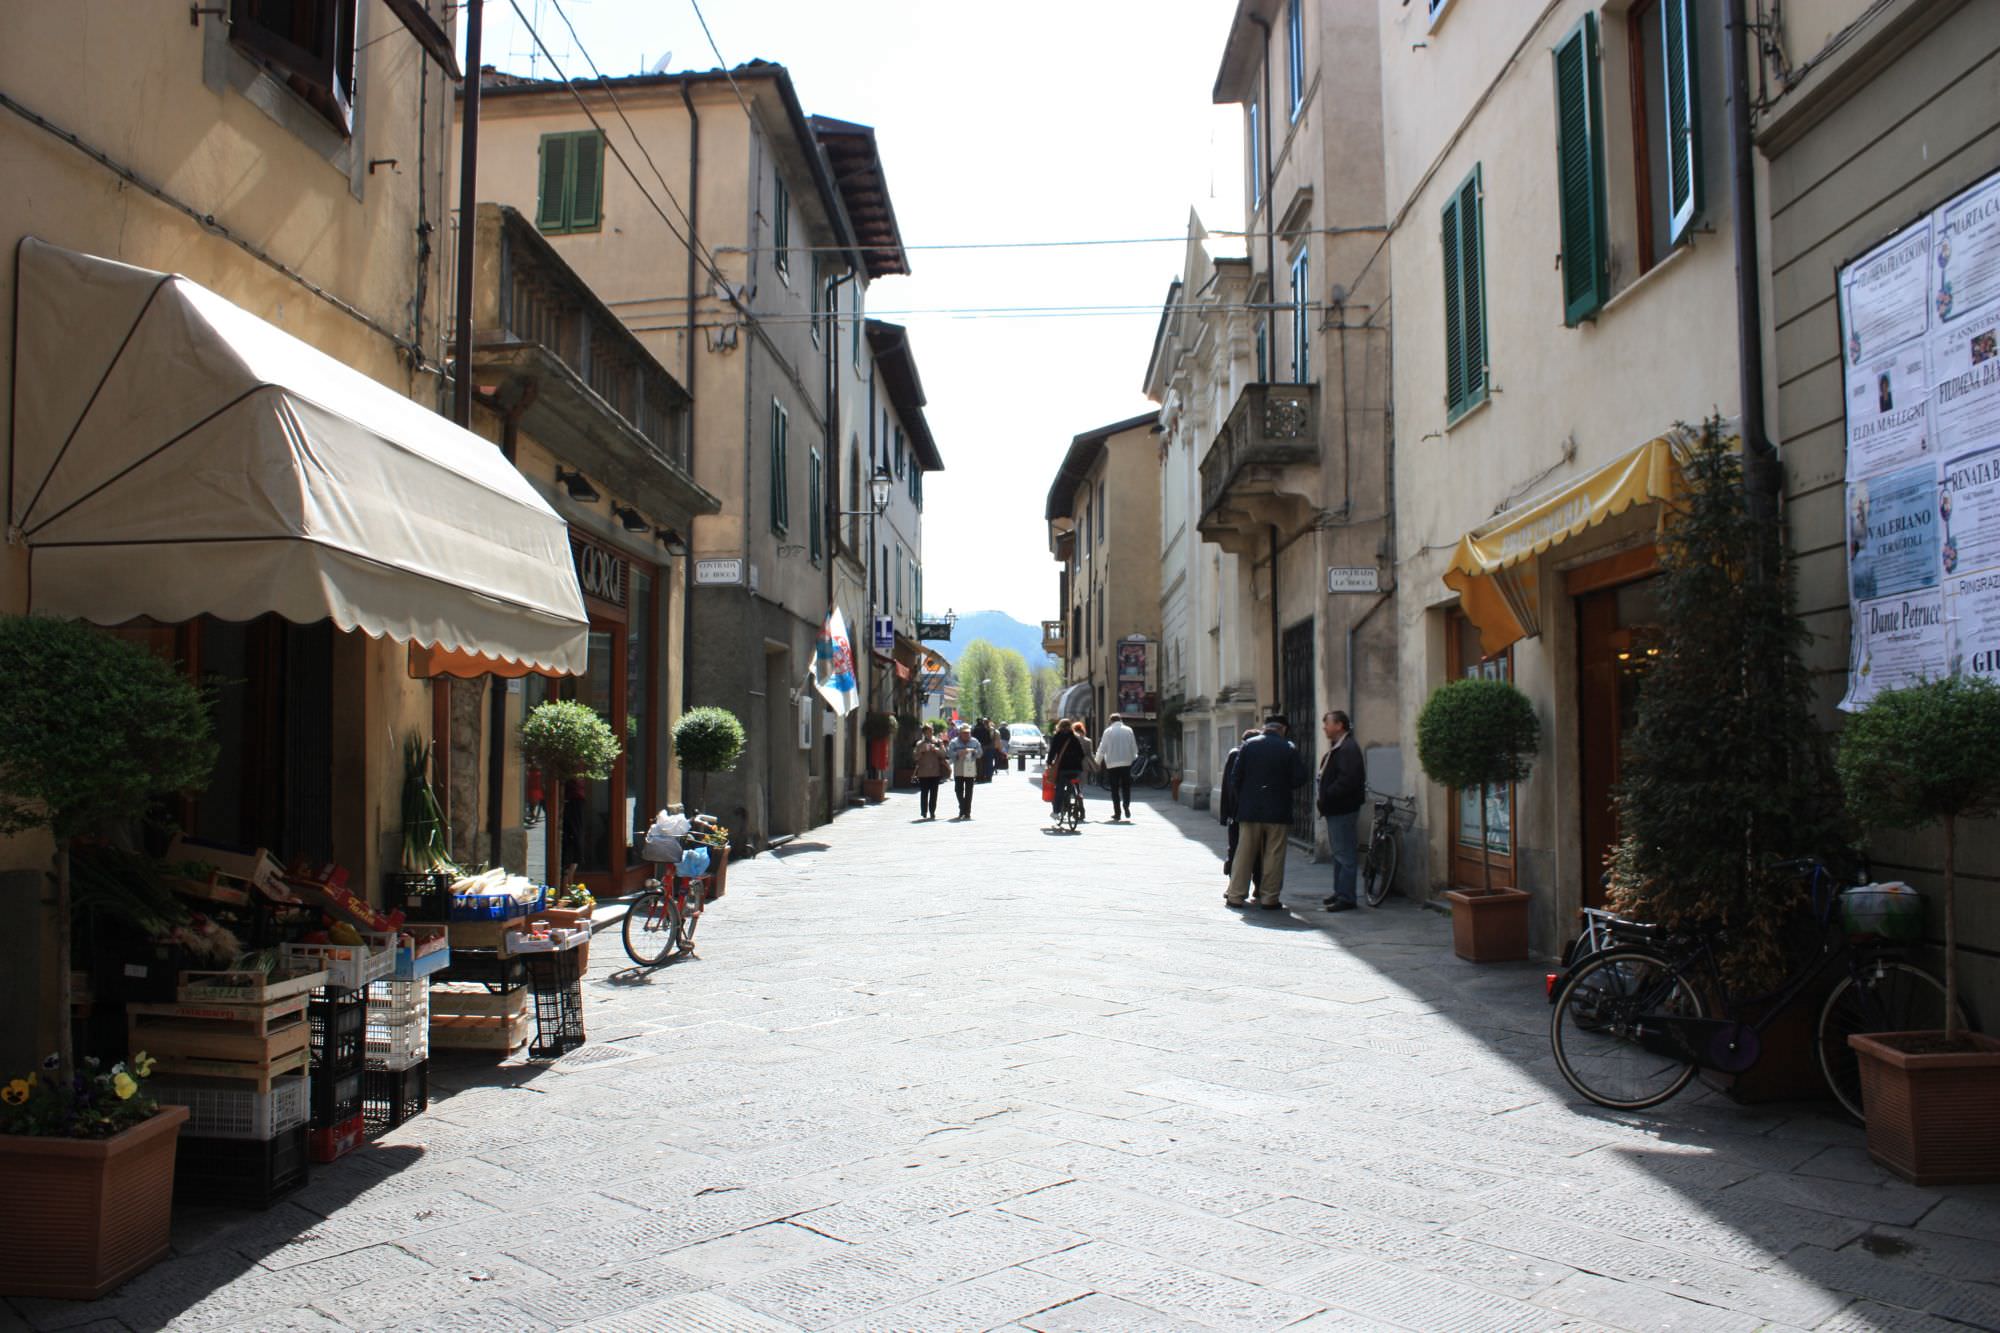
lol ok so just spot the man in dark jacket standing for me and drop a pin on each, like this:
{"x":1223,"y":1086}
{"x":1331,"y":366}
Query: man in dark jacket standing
{"x":1343,"y":786}
{"x":1268,"y":770}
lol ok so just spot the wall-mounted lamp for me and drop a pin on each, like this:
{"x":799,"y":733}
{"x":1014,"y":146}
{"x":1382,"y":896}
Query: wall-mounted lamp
{"x":633,"y":520}
{"x":579,"y":487}
{"x":878,"y":487}
{"x":671,"y":539}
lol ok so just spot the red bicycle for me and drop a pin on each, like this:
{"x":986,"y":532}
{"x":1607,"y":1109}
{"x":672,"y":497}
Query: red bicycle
{"x":661,"y":921}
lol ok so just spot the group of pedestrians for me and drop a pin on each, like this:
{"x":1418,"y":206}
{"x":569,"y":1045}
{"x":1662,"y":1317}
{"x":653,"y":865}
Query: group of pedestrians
{"x":967,"y":754}
{"x":1258,"y":779}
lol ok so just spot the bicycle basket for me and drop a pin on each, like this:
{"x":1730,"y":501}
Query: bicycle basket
{"x":1890,"y":911}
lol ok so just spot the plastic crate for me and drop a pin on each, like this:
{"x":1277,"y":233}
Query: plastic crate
{"x":336,"y":1100}
{"x":335,"y":1142}
{"x":348,"y":966}
{"x":339,"y":1027}
{"x":391,"y":1096}
{"x":486,"y":967}
{"x":223,"y":1108}
{"x":399,"y":1045}
{"x":241,"y":1173}
{"x":496,"y":906}
{"x":393,"y":999}
{"x":424,"y":896}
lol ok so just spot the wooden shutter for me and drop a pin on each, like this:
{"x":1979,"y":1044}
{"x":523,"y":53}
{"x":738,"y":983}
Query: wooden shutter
{"x":551,"y":215}
{"x":779,"y":504}
{"x":1472,"y":280}
{"x":1677,"y":56}
{"x":814,"y":498}
{"x":586,"y":193}
{"x":1579,"y":175}
{"x":1454,"y":311}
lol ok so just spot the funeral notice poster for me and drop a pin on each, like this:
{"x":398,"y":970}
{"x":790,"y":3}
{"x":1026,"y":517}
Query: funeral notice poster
{"x":1920,"y":358}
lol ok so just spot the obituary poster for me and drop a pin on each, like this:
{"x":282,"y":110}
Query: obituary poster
{"x":1922,"y":397}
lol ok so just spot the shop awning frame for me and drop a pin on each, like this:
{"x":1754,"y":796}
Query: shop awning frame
{"x":175,"y":456}
{"x":1492,"y":569}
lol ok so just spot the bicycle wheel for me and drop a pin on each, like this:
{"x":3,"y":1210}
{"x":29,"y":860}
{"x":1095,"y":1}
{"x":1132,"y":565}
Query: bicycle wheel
{"x":1883,"y":997}
{"x":1161,"y":777}
{"x":694,"y":898}
{"x":652,"y":925}
{"x":1606,"y":1034}
{"x":1378,"y":868}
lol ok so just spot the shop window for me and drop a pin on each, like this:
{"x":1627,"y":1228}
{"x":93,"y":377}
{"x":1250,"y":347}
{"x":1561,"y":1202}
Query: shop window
{"x":1666,"y":124}
{"x":571,"y":196}
{"x":1580,"y":172}
{"x":310,"y":43}
{"x":1470,"y":661}
{"x":1462,"y":240}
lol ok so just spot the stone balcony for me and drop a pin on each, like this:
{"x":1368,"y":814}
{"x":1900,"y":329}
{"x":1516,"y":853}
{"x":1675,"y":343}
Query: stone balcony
{"x":1263,"y":468}
{"x":1053,"y":639}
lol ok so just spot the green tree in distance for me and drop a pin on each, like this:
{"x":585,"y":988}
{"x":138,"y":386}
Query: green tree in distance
{"x":1045,"y":686}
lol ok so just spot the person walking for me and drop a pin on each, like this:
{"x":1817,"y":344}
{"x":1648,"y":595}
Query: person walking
{"x":932,"y":768}
{"x":982,"y":731}
{"x":1343,"y":787}
{"x":1268,"y":769}
{"x":1225,"y":804}
{"x":1116,"y":750}
{"x":964,"y":753}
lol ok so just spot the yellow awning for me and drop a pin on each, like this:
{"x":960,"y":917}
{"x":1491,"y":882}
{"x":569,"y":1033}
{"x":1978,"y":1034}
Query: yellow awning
{"x":1492,"y":571}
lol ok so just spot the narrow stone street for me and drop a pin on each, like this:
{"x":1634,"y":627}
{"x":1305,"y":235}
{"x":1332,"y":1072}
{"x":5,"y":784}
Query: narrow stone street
{"x":970,"y":1076}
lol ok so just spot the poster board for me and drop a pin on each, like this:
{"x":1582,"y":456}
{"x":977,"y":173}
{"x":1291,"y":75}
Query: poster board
{"x":1920,"y":359}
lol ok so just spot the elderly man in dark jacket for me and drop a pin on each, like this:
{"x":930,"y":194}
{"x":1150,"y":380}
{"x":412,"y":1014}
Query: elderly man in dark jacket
{"x":1343,"y":787}
{"x":1268,"y":770}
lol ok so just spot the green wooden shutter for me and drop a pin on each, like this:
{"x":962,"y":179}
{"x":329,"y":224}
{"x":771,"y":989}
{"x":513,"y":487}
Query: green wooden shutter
{"x":815,"y":498}
{"x":551,"y":214}
{"x":1677,"y":51}
{"x":779,"y":502}
{"x":1454,"y":310}
{"x":1580,"y":178}
{"x":1472,"y":279}
{"x":781,"y":228}
{"x":586,"y":194}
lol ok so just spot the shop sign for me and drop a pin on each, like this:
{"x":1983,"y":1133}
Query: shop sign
{"x":718,"y":571}
{"x":1358,"y":578}
{"x":602,"y":572}
{"x":1137,"y":680}
{"x":885,"y":634}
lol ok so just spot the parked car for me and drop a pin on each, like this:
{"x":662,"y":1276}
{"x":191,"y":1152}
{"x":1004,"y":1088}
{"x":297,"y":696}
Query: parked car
{"x":1026,"y":738}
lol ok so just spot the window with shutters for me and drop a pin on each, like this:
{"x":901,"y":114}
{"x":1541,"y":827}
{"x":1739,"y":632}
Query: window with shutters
{"x":818,"y":287}
{"x":1295,"y":52}
{"x":1256,"y":171}
{"x":1301,"y":329}
{"x":816,"y":498}
{"x":309,"y":44}
{"x":1462,"y":239}
{"x":901,"y":458}
{"x":781,"y":229}
{"x":1263,"y":352}
{"x":572,"y":189}
{"x":1580,"y":173}
{"x":781,"y":501}
{"x":1661,"y":38}
{"x":1435,"y":10}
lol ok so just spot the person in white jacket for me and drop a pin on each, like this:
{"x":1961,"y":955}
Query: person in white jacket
{"x":1116,"y":750}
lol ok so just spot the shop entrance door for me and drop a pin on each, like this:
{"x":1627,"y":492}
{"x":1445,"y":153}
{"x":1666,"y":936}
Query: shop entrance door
{"x":1298,"y":708}
{"x":1616,"y":644}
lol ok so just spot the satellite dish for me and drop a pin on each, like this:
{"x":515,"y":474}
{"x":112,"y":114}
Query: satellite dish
{"x":660,"y":66}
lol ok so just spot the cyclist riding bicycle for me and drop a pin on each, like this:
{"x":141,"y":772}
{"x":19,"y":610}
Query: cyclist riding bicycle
{"x":1068,"y":753}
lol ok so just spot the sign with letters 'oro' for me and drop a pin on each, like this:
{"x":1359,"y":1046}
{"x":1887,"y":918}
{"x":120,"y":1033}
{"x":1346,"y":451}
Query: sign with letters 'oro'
{"x":1920,"y":356}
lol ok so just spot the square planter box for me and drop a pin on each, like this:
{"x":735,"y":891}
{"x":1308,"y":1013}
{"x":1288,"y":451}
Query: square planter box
{"x":1931,"y":1117}
{"x":1489,"y":927}
{"x":84,"y":1215}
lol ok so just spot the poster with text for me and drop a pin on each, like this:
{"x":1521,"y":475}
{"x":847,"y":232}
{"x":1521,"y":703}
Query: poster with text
{"x":1888,"y":410}
{"x":1897,"y":641}
{"x":1892,"y":533}
{"x":1969,"y":511}
{"x":1885,"y":295}
{"x":1975,"y":623}
{"x":1965,"y":381}
{"x":1967,"y":271}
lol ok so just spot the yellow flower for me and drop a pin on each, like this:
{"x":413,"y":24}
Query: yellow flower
{"x":123,"y":1085}
{"x":142,"y":1065}
{"x":15,"y":1093}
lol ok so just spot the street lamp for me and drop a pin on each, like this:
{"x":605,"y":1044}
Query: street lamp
{"x":879,"y":485}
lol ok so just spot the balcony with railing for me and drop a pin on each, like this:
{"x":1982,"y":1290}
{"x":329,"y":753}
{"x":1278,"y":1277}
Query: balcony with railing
{"x":1054,"y":640}
{"x":1263,"y":467}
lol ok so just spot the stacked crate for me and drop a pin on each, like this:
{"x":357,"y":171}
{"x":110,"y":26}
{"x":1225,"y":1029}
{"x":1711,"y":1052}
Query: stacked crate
{"x":554,"y":957}
{"x":396,"y":1084}
{"x":234,"y":1050}
{"x":481,"y":1001}
{"x":337,"y":1017}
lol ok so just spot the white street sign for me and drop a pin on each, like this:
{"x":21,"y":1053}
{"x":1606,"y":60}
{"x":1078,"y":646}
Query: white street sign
{"x":1362,"y":578}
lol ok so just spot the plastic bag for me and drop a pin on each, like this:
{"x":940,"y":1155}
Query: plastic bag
{"x":676,"y":825}
{"x":660,"y":847}
{"x":694,"y":862}
{"x":1048,"y":784}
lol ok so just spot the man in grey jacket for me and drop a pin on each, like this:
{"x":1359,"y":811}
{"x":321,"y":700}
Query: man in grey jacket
{"x":1268,"y":770}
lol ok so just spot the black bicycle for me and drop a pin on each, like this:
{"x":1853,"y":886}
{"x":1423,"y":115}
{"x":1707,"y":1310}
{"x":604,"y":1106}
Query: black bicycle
{"x":1067,"y":808}
{"x":1385,"y":845}
{"x":1633,"y":1022}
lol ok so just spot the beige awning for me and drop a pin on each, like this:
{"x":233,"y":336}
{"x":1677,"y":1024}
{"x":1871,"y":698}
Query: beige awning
{"x":175,"y":456}
{"x":1491,"y":569}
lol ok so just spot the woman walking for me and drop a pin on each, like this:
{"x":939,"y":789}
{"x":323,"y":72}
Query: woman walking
{"x":964,"y":753}
{"x":932,"y":768}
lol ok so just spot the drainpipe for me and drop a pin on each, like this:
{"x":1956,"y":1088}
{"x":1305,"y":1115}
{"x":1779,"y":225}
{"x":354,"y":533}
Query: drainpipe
{"x":1277,"y":667}
{"x":1354,"y":628}
{"x":1760,"y":465}
{"x":468,"y":215}
{"x":1270,"y":240}
{"x":829,"y":494}
{"x":693,"y":234}
{"x":496,"y":753}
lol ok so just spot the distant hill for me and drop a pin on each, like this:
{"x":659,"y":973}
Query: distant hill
{"x":999,"y":629}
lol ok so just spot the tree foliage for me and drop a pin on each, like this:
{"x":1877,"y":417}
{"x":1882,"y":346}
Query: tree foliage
{"x":993,"y":682}
{"x":1725,"y":771}
{"x":566,"y":739}
{"x":1477,"y":733}
{"x":1923,"y":755}
{"x":708,"y":740}
{"x":1046,"y":685}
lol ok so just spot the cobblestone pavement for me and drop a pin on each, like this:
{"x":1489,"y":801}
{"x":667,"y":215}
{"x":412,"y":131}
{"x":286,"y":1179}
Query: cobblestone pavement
{"x":974,"y":1076}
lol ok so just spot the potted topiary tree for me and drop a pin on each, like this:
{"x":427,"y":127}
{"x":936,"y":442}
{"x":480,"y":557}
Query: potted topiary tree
{"x":1913,"y":757}
{"x":566,"y":740}
{"x":1474,"y":735}
{"x":708,"y":740}
{"x":880,"y":731}
{"x":92,"y":731}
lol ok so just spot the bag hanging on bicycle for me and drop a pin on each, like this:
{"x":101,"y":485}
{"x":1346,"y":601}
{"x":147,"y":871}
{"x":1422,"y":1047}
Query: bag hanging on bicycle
{"x":1049,"y":786}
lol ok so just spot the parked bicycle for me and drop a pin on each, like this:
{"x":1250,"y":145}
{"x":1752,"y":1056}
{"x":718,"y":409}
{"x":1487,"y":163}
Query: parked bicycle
{"x":1149,"y":770}
{"x":1635,"y":1021}
{"x":661,"y":921}
{"x":1385,"y":845}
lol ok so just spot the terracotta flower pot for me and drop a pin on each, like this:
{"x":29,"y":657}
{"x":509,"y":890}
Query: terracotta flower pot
{"x":1489,"y":927}
{"x":1930,"y":1115}
{"x":874,"y":790}
{"x":84,"y":1215}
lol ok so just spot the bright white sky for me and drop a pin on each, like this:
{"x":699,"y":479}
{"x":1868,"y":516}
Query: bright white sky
{"x":1048,"y":120}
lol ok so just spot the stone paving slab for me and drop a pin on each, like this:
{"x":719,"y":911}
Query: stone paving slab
{"x":1049,"y":1083}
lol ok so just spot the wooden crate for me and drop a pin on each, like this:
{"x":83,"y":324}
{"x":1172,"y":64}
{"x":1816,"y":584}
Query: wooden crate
{"x":477,"y":1003}
{"x":483,"y":934}
{"x":257,"y":1019}
{"x":247,"y":987}
{"x":469,"y":1032}
{"x":262,"y":1076}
